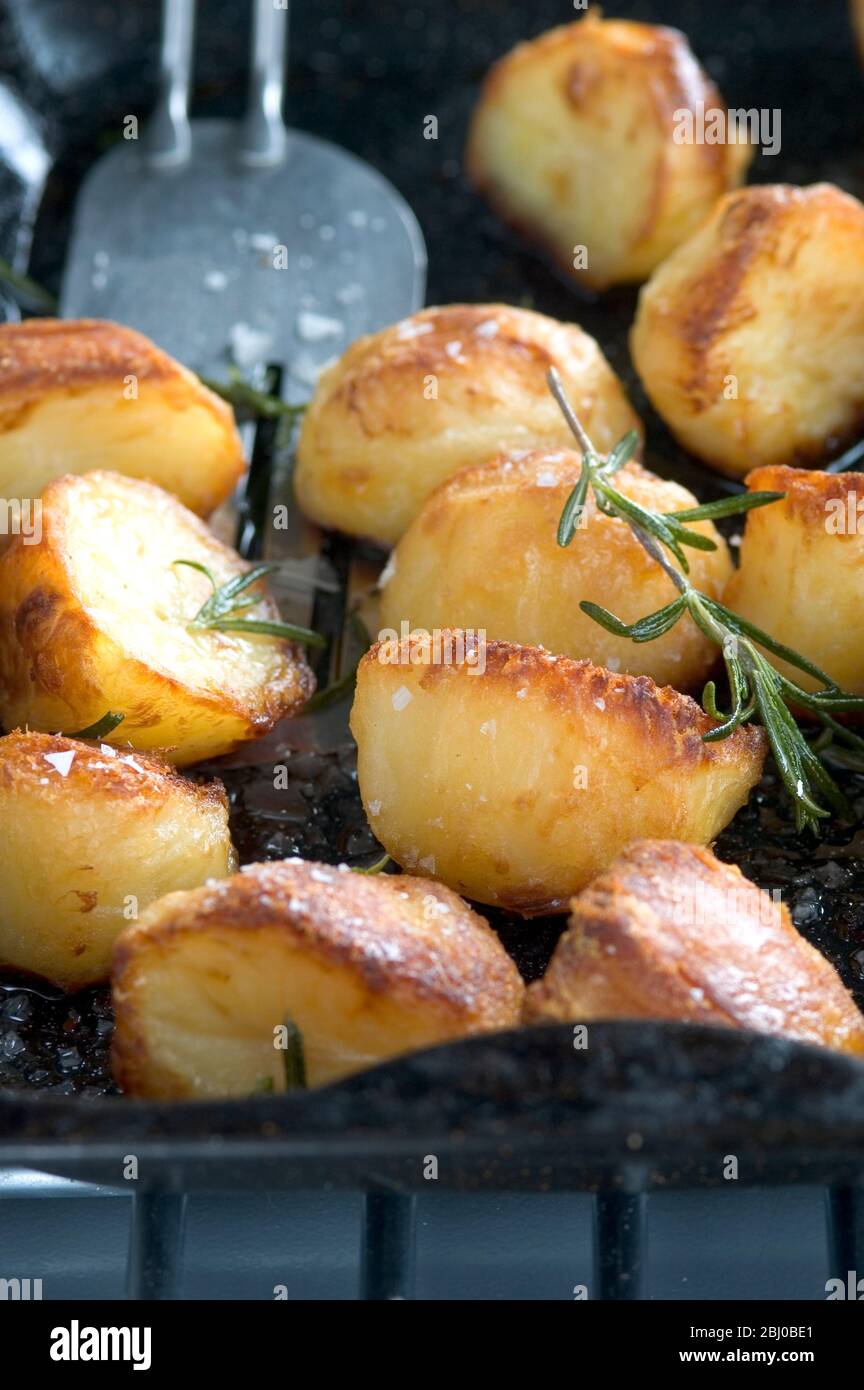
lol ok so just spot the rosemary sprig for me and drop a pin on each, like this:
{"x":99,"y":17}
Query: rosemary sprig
{"x":758,"y":690}
{"x":220,"y":611}
{"x":248,"y":400}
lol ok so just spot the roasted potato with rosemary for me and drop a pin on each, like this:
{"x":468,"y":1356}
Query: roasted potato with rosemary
{"x":483,"y":554}
{"x":90,"y":835}
{"x":670,"y":932}
{"x":99,"y":616}
{"x":405,"y":408}
{"x":77,"y":395}
{"x":515,"y":776}
{"x":801,"y":576}
{"x":582,"y":140}
{"x":244,"y":984}
{"x":749,"y":338}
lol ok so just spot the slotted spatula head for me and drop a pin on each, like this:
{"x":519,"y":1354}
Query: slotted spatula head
{"x":241,"y":240}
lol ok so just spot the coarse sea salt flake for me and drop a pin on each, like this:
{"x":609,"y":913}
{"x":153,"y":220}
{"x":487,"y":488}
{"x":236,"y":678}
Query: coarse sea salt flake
{"x":414,"y":330}
{"x":60,"y":761}
{"x":313,"y":328}
{"x":401,"y":697}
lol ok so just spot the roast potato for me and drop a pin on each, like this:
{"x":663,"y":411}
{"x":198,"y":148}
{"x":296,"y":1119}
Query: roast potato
{"x":515,"y":776}
{"x":365,"y":968}
{"x":483,"y":554}
{"x":89,"y":836}
{"x":96,"y":618}
{"x":670,"y":932}
{"x":405,"y":408}
{"x":749,"y":338}
{"x":580,"y":141}
{"x":801,"y":576}
{"x":77,"y":395}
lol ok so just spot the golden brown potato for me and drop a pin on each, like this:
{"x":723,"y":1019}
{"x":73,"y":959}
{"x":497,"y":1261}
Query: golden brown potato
{"x":82,"y":394}
{"x":515,"y":776}
{"x":670,"y":932}
{"x":408,"y":407}
{"x":801,"y":576}
{"x":366,"y":968}
{"x":483,"y":554}
{"x":581,"y":141}
{"x":96,"y":617}
{"x":89,"y":836}
{"x":749,"y":338}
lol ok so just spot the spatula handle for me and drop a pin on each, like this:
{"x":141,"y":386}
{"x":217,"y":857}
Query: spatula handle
{"x":263,"y":136}
{"x":169,"y":141}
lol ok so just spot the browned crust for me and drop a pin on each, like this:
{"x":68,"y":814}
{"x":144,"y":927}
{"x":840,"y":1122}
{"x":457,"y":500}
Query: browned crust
{"x":376,"y":366}
{"x":373,"y":926}
{"x":631,"y":951}
{"x":747,"y":225}
{"x":808,"y":491}
{"x":661,"y":714}
{"x":73,"y":355}
{"x":124,"y":774}
{"x":48,"y":625}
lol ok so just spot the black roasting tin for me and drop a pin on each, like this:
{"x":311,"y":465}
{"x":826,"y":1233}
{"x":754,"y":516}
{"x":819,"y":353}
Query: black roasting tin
{"x":647,"y":1104}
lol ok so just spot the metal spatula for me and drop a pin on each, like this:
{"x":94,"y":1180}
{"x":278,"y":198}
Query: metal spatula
{"x":220,"y":239}
{"x":202,"y":226}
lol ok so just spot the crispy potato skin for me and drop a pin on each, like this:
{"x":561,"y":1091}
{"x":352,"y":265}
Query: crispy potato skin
{"x":516,"y":786}
{"x":801,"y":578}
{"x":82,"y":849}
{"x":483,"y":554}
{"x":572,"y":142}
{"x":65,"y":407}
{"x":767,"y":299}
{"x":95,"y":618}
{"x":405,"y":408}
{"x":365,"y":967}
{"x":670,"y":932}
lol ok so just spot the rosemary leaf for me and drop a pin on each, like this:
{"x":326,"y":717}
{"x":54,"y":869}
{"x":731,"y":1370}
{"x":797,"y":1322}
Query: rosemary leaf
{"x":294,"y":1060}
{"x":377,"y":867}
{"x":726,"y":506}
{"x":260,"y":628}
{"x":622,"y":453}
{"x":572,"y":513}
{"x":26,"y":292}
{"x":644,"y":629}
{"x":104,"y":726}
